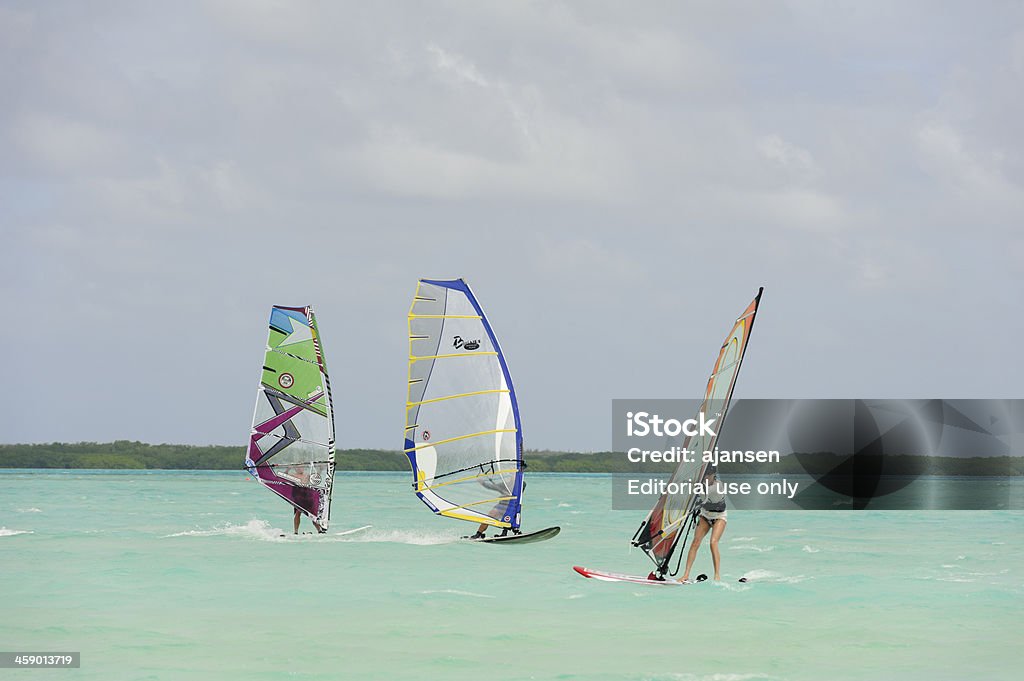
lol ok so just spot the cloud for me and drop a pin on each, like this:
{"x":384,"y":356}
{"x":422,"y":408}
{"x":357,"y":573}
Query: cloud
{"x":787,"y":156}
{"x":581,"y":260}
{"x":974,"y":176}
{"x":622,"y":174}
{"x":16,"y":27}
{"x":68,"y":147}
{"x":463,"y":69}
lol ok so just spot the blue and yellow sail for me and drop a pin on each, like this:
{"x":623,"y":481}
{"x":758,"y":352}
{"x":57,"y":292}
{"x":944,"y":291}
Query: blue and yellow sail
{"x":463,"y":434}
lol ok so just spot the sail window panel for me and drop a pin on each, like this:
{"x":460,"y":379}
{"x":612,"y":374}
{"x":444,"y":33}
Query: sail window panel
{"x":469,"y":408}
{"x":287,"y":451}
{"x":475,"y":492}
{"x":286,"y":436}
{"x":456,"y":377}
{"x":465,"y":449}
{"x":316,"y":474}
{"x":478,"y":497}
{"x":289,"y":419}
{"x":463,"y":375}
{"x":303,"y":425}
{"x":484,"y":488}
{"x":718,"y":390}
{"x":473,"y":429}
{"x":307,"y":487}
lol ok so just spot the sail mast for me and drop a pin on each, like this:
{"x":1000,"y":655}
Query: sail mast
{"x":671,"y":518}
{"x":325,"y":519}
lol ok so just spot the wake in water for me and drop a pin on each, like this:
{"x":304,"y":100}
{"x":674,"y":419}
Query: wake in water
{"x":261,"y":530}
{"x":456,"y":592}
{"x":414,"y":537}
{"x":773,"y":577}
{"x":4,"y":532}
{"x":752,"y":547}
{"x":710,"y":677}
{"x":730,"y":585}
{"x":254,"y":529}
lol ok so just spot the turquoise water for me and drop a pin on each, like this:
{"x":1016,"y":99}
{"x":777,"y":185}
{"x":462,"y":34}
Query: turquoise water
{"x":177,"y":575}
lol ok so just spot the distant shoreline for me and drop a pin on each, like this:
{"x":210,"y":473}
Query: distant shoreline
{"x":130,"y":455}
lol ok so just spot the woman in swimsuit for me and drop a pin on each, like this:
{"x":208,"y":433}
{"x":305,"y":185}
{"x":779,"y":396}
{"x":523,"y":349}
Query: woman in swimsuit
{"x":712,"y":519}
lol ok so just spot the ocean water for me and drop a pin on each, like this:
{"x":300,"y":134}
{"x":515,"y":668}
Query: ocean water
{"x":183,"y":575}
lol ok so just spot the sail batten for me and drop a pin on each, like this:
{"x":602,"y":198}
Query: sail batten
{"x":671,"y":516}
{"x":454,"y":397}
{"x":291,"y":442}
{"x":419,"y":358}
{"x":441,"y":316}
{"x":460,"y":437}
{"x":461,"y":416}
{"x":421,"y":487}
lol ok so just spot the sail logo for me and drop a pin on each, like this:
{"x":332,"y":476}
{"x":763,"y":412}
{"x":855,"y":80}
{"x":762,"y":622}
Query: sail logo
{"x":466,"y":344}
{"x":286,"y":380}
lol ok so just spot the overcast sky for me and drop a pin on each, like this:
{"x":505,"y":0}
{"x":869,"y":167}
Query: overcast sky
{"x":614,"y":180}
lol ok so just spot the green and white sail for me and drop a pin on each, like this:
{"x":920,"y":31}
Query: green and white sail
{"x":291,"y":444}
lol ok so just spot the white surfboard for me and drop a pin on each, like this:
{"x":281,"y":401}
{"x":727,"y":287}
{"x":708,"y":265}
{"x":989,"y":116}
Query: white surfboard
{"x":348,"y":532}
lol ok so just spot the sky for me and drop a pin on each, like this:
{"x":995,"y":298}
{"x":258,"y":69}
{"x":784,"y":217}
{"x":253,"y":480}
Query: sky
{"x":614,"y":180}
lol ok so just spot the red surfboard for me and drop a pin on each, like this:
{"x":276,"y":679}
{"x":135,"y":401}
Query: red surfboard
{"x":618,"y":577}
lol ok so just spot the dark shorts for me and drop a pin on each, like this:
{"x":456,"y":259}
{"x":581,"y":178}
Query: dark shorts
{"x":305,"y":498}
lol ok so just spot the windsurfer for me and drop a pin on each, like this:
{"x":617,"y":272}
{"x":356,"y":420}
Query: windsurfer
{"x":305,"y":499}
{"x":711,"y":518}
{"x":481,"y":531}
{"x":497,"y":511}
{"x":298,"y":519}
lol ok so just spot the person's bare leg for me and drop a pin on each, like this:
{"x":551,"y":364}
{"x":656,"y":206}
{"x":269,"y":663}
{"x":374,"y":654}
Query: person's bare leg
{"x":698,"y":537}
{"x":298,"y":517}
{"x":717,"y":530}
{"x":482,"y":529}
